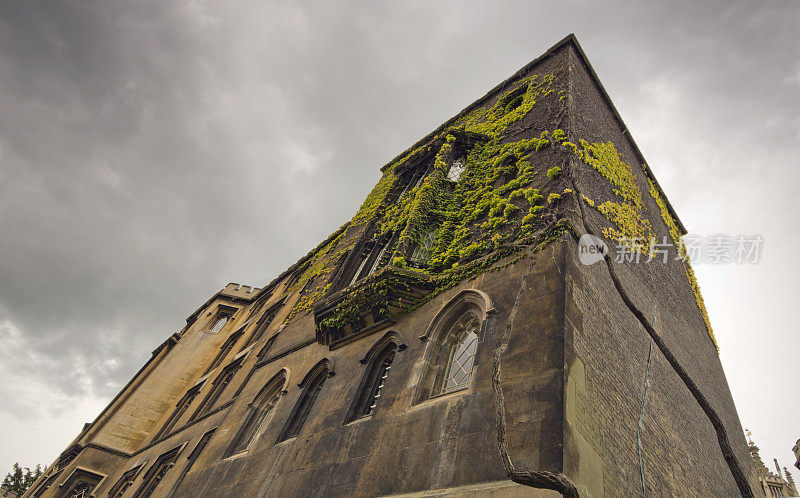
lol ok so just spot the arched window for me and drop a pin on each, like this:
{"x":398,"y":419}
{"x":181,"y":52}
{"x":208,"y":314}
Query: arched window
{"x":379,"y":363}
{"x":312,"y":385}
{"x":453,"y":338}
{"x":259,"y":412}
{"x":462,"y":341}
{"x":125,"y":482}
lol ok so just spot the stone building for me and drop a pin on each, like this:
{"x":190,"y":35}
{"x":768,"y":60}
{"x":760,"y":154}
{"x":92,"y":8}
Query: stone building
{"x":448,"y":339}
{"x":772,"y":484}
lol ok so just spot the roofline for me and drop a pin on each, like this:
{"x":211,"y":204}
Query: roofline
{"x":570,"y":39}
{"x":270,"y":286}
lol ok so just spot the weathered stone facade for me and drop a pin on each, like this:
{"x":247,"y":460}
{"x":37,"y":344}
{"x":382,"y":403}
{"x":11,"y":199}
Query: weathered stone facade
{"x":441,"y":320}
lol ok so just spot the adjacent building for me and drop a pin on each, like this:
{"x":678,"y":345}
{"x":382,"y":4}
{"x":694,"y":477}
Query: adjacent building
{"x":772,"y":484}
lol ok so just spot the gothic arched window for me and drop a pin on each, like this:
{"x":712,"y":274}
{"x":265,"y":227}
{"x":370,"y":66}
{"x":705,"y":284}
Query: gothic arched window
{"x":258,"y":414}
{"x":453,"y":338}
{"x":312,"y":385}
{"x":379,"y":363}
{"x":463,"y":342}
{"x":125,"y":482}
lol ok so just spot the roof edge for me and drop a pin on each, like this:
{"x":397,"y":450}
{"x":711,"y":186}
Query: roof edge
{"x":604,"y":94}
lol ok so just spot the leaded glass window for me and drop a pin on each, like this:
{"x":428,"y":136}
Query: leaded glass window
{"x":82,"y":490}
{"x":462,"y":355}
{"x":423,"y":249}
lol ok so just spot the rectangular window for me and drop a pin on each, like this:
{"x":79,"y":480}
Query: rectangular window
{"x":226,"y":348}
{"x":156,"y":473}
{"x":191,"y":459}
{"x":124,"y":482}
{"x":180,"y":409}
{"x":218,"y":387}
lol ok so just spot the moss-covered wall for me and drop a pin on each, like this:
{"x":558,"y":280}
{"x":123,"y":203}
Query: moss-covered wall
{"x":620,"y":198}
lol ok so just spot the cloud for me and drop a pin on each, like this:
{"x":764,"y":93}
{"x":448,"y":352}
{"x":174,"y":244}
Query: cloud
{"x":151,"y":152}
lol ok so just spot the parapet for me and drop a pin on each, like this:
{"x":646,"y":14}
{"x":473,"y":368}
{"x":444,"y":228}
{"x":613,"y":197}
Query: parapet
{"x":238,"y":290}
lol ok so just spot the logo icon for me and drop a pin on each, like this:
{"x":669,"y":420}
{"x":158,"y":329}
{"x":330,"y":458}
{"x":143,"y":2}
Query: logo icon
{"x":591,"y":249}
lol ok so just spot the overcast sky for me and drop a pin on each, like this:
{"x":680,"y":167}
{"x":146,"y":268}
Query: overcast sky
{"x":151,"y":152}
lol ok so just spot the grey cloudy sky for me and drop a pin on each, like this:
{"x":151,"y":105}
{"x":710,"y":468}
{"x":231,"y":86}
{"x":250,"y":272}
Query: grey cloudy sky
{"x":151,"y":152}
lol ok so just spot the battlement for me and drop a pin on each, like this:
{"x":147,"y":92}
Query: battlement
{"x":238,"y":290}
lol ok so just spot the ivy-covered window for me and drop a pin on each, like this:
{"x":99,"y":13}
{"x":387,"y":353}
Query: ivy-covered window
{"x":371,"y":389}
{"x":312,"y":385}
{"x":456,"y":169}
{"x":371,"y":257}
{"x":423,"y":249}
{"x":258,"y":414}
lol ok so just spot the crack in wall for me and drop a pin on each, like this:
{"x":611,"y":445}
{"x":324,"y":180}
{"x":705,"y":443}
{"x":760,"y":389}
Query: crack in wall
{"x":533,"y":478}
{"x":722,"y":435}
{"x":641,"y":417}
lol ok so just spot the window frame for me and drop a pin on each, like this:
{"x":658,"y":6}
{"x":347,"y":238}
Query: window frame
{"x":312,"y":385}
{"x":371,"y":386}
{"x":149,"y":484}
{"x":191,"y":459}
{"x":442,"y":342}
{"x":222,"y":311}
{"x":128,"y":477}
{"x":180,"y":409}
{"x":454,"y":340}
{"x":218,"y":387}
{"x":259,"y":413}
